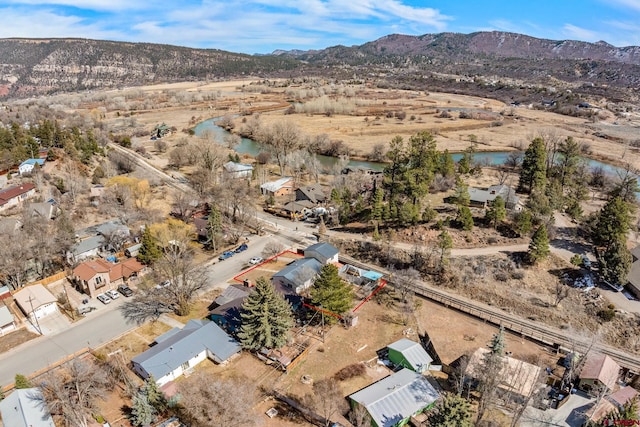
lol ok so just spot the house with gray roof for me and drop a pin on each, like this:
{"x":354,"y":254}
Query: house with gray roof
{"x":482,"y":197}
{"x":409,"y":354}
{"x":91,"y":241}
{"x":179,"y":350}
{"x":633,"y":278}
{"x":233,"y":170}
{"x":298,"y":275}
{"x":323,"y":252}
{"x":312,"y":193}
{"x":7,"y":323}
{"x":24,"y":408}
{"x":393,"y":400}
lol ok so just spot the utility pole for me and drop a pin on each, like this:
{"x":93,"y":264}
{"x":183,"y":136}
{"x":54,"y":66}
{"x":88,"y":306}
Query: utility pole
{"x":34,"y":314}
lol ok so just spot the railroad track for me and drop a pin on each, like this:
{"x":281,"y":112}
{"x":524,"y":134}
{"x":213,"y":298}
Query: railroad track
{"x":525,"y":327}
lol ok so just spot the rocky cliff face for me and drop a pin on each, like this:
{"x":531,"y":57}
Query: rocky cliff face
{"x":31,"y":67}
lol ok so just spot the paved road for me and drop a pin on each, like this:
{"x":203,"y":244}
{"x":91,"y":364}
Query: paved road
{"x":95,"y":329}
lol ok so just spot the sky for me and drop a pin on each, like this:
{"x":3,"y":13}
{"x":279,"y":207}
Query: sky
{"x":261,"y":26}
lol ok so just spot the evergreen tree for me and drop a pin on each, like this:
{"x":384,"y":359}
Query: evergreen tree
{"x":21,"y":381}
{"x":615,"y":263}
{"x":612,"y":223}
{"x":523,"y":222}
{"x":451,"y":411}
{"x":497,"y":344}
{"x":214,"y":228}
{"x":461,"y":196}
{"x":445,"y":243}
{"x":465,"y":165}
{"x":497,"y":211}
{"x":142,"y":412}
{"x":534,"y":167}
{"x":569,"y":160}
{"x":447,"y":166}
{"x":465,"y":219}
{"x":377,"y":207}
{"x":155,"y":396}
{"x":150,"y":250}
{"x":539,"y":245}
{"x":331,"y":292}
{"x":265,"y":318}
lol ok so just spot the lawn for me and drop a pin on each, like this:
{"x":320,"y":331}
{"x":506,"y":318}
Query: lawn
{"x":136,"y":341}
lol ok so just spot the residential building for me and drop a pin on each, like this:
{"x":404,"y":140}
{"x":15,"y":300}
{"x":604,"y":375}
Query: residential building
{"x":179,"y":350}
{"x":36,"y":301}
{"x":44,"y":210}
{"x":16,"y":195}
{"x":518,"y":379}
{"x":298,"y":275}
{"x":323,"y":252}
{"x":482,"y":197}
{"x":229,"y":306}
{"x":393,"y":400}
{"x":24,"y":408}
{"x":7,"y":322}
{"x":409,"y":354}
{"x":278,"y":188}
{"x":4,"y":292}
{"x":97,"y":276}
{"x":599,"y":370}
{"x":28,"y":165}
{"x":132,"y":251}
{"x":612,"y":402}
{"x":97,"y":239}
{"x":312,"y":193}
{"x":233,"y":170}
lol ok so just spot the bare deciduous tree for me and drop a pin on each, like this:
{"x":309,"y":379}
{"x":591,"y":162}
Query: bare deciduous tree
{"x":272,"y":249}
{"x":327,"y":399}
{"x":218,"y":402}
{"x":281,"y":138}
{"x":73,"y":391}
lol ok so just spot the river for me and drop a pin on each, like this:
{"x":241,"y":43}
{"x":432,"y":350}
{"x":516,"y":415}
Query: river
{"x":253,"y":148}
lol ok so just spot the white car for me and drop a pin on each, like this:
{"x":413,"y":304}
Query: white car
{"x":112,"y":294}
{"x":255,"y":260}
{"x":104,"y":299}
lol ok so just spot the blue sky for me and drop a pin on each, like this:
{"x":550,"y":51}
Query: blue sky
{"x":260,"y":26}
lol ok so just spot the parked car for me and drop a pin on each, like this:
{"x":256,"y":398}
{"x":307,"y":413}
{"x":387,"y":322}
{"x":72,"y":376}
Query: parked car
{"x":255,"y":260}
{"x":112,"y":294}
{"x":243,"y":247}
{"x":125,"y":290}
{"x":225,"y":255}
{"x":104,"y":299}
{"x":84,"y":309}
{"x":163,"y":284}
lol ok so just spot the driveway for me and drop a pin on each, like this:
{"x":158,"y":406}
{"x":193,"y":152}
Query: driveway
{"x":569,"y":415}
{"x":50,"y":325}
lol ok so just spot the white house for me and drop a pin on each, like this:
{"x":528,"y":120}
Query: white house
{"x":323,"y":252}
{"x":7,"y":323}
{"x":24,"y":408}
{"x":16,"y":195}
{"x":36,"y":301}
{"x":179,"y":350}
{"x":28,"y":165}
{"x":233,"y":170}
{"x":278,"y":188}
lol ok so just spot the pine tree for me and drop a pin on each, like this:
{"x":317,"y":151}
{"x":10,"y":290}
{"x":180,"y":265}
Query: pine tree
{"x":150,"y":250}
{"x":142,"y":412}
{"x":523,"y":222}
{"x":497,"y":211}
{"x":265,"y":318}
{"x":377,"y":207}
{"x":444,"y":243}
{"x":452,"y":410}
{"x":461,"y":196}
{"x":21,"y":381}
{"x":447,"y":166}
{"x":539,"y":245}
{"x":615,"y":263}
{"x":612,"y":224}
{"x":465,"y":219}
{"x":534,"y":167}
{"x":497,"y":344}
{"x":331,"y":292}
{"x":155,"y":396}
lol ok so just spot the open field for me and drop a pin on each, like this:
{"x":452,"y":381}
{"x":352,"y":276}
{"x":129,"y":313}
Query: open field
{"x":498,"y":126}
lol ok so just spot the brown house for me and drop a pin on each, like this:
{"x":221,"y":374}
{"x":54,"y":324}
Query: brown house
{"x":278,"y":188}
{"x":97,"y":276}
{"x":599,"y":370}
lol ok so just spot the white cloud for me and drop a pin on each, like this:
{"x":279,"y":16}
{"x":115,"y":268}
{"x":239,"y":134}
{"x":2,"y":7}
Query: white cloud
{"x":575,"y":32}
{"x":629,"y":4}
{"x":97,"y":5}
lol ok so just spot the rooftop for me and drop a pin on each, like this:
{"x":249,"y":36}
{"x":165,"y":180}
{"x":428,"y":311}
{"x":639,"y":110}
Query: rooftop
{"x":323,"y":248}
{"x":15,"y":191}
{"x":23,"y":408}
{"x":602,"y":368}
{"x":415,"y":354}
{"x":276,"y":185}
{"x":33,"y":296}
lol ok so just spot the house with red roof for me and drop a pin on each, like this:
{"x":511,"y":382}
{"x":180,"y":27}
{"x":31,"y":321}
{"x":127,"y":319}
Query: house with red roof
{"x":16,"y":195}
{"x":599,"y":371}
{"x":97,"y":276}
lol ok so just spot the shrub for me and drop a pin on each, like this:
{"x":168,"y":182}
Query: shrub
{"x":351,"y":371}
{"x":607,"y":315}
